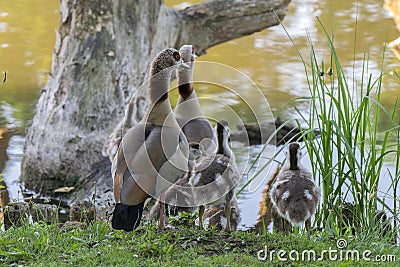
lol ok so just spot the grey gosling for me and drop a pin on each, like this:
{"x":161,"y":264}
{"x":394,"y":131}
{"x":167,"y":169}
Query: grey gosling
{"x":215,"y":176}
{"x":133,"y":115}
{"x":83,"y":211}
{"x":294,"y":195}
{"x":214,"y":216}
{"x":179,"y":195}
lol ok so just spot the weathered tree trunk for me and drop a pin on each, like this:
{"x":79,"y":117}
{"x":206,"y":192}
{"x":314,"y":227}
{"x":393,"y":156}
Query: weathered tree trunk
{"x":101,"y":56}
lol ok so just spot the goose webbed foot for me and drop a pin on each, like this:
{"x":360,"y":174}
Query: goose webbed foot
{"x":162,"y":212}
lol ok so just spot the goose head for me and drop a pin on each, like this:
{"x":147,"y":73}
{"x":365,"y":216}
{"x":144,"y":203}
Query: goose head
{"x":185,"y":75}
{"x":293,"y":155}
{"x":162,"y":66}
{"x":187,"y":54}
{"x":168,"y":58}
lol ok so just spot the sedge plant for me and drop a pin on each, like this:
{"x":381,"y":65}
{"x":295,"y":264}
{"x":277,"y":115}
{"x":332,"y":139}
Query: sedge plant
{"x":348,"y":156}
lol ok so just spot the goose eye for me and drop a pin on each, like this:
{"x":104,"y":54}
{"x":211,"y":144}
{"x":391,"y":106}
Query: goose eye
{"x":176,"y":56}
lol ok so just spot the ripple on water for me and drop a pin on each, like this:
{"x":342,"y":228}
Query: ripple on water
{"x":12,"y":170}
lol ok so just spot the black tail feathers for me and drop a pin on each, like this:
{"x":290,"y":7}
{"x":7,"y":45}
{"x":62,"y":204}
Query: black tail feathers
{"x":127,"y":217}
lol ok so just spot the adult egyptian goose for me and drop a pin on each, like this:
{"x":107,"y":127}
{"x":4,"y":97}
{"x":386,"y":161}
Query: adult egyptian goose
{"x":215,"y":176}
{"x":294,"y":194}
{"x":215,"y":217}
{"x":133,"y":115}
{"x":188,"y":111}
{"x":153,"y":154}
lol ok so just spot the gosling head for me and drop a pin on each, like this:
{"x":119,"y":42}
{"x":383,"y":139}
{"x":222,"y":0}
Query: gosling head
{"x":223,"y":137}
{"x":293,"y":155}
{"x":141,"y":106}
{"x":195,"y":150}
{"x":223,"y":130}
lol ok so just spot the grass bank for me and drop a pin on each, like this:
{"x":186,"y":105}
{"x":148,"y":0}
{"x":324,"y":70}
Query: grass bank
{"x":98,"y":245}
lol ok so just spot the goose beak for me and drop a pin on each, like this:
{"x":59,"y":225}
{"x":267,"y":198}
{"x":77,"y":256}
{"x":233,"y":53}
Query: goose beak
{"x":184,"y":65}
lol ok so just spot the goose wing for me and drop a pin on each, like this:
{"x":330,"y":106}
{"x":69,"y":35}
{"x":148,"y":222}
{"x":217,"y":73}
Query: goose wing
{"x":177,"y":152}
{"x":119,"y":169}
{"x":145,"y":151}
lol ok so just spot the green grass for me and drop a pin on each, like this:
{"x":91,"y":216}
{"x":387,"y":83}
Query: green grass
{"x":98,"y":245}
{"x":1,"y":181}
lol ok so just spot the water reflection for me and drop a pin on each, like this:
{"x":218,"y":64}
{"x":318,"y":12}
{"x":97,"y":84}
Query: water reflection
{"x":270,"y":60}
{"x":27,"y":35}
{"x":11,"y":144}
{"x":5,"y":136}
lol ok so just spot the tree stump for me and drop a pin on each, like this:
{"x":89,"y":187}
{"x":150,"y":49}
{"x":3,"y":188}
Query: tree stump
{"x":101,"y":56}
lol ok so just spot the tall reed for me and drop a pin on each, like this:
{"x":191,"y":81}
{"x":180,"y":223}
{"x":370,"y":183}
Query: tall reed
{"x":349,"y":154}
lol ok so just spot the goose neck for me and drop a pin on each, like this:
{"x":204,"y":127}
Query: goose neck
{"x":185,"y":76}
{"x":293,"y":165}
{"x":185,"y":83}
{"x":159,"y":86}
{"x":223,"y":146}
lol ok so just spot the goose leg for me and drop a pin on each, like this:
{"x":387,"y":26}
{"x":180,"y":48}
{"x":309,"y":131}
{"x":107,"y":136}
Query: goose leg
{"x":287,"y":226}
{"x":162,"y":211}
{"x":228,"y":199}
{"x":308,"y":227}
{"x":201,"y":213}
{"x":228,"y":214}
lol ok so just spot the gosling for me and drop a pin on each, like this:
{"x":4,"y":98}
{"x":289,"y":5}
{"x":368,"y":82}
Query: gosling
{"x":215,"y":217}
{"x":215,"y":177}
{"x":294,"y":195}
